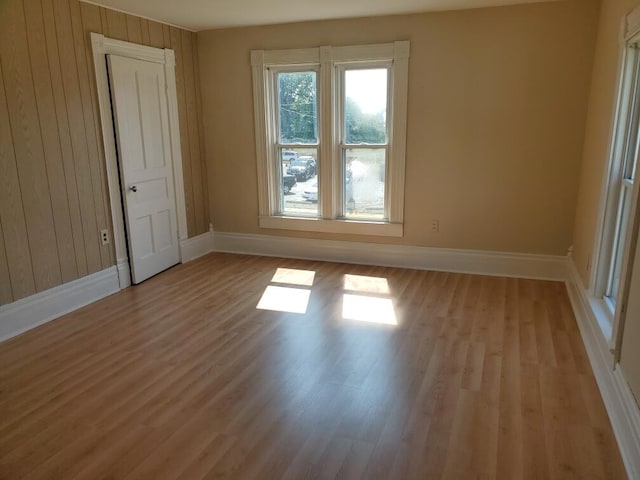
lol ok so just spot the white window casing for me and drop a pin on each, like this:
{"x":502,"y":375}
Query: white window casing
{"x":330,"y":62}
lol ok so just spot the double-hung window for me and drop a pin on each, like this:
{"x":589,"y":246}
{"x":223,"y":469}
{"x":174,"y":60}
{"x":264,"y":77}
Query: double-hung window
{"x":619,"y":208}
{"x":330,"y":126}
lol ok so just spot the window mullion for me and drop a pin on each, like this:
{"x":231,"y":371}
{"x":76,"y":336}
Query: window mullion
{"x":326,"y":183}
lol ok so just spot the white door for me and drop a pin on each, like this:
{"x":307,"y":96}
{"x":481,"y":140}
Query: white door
{"x":139,"y":102}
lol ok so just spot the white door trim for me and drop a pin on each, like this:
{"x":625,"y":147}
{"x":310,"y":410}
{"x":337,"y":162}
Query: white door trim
{"x":102,"y":46}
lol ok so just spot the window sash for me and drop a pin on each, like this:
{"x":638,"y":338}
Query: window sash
{"x":625,"y":204}
{"x":341,"y":134}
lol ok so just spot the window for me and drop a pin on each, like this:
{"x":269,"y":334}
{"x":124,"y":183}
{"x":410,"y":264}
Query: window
{"x":330,"y":128}
{"x":620,"y":190}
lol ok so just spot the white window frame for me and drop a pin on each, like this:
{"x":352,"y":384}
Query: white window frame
{"x":329,"y":61}
{"x":619,"y":187}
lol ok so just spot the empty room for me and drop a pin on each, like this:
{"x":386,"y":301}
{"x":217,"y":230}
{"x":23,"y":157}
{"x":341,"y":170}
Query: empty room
{"x":293,"y":240}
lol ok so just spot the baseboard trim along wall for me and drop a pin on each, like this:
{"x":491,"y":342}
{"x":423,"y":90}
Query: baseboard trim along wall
{"x":27,"y":313}
{"x":616,"y":394}
{"x":195,"y":247}
{"x":546,"y":267}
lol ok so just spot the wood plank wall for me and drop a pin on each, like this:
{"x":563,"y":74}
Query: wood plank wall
{"x":53,"y":186}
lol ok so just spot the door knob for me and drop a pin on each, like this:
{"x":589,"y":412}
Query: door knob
{"x":133,"y":188}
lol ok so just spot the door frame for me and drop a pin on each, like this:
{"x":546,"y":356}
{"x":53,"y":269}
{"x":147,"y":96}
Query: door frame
{"x":102,"y":46}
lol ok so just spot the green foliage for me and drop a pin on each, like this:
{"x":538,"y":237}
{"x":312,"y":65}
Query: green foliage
{"x":298,"y":107}
{"x":298,"y":113}
{"x":363,"y":127}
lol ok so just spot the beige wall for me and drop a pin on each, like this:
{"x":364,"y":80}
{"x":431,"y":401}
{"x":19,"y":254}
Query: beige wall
{"x":497,"y":108}
{"x":598,"y":130}
{"x":53,"y":195}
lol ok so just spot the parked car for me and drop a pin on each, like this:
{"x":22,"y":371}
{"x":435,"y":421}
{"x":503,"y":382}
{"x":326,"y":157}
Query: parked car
{"x":312,"y":163}
{"x":288,"y":156}
{"x":288,"y":181}
{"x":302,"y":169}
{"x":311,"y":192}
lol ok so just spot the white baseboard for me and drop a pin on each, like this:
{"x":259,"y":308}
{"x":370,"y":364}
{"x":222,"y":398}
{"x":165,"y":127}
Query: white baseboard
{"x":546,"y":267}
{"x":27,"y":313}
{"x":195,"y":247}
{"x":616,"y":394}
{"x":124,"y":273}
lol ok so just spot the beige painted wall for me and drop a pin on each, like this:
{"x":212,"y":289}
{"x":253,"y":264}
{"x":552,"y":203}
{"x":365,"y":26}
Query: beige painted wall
{"x":497,"y":108}
{"x":53,"y":195}
{"x":598,"y":131}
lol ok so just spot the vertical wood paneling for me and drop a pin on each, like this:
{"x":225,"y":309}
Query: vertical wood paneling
{"x":134,"y":29}
{"x":53,"y":189}
{"x":5,"y":280}
{"x":95,"y":149}
{"x":176,"y":45}
{"x":11,"y":211}
{"x":144,"y":29}
{"x":64,"y":135}
{"x":192,"y":126}
{"x":166,"y":35}
{"x":203,"y":160}
{"x":25,"y":128}
{"x":79,"y":142}
{"x":87,"y":19}
{"x":117,"y":25}
{"x":50,"y":139}
{"x":156,"y":35}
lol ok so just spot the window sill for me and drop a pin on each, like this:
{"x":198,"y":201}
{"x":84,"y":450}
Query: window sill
{"x":383,"y":229}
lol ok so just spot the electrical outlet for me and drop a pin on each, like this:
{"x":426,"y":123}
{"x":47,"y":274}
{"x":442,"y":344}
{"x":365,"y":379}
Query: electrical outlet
{"x":104,"y":236}
{"x":435,"y":225}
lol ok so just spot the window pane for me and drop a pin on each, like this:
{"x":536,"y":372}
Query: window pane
{"x":299,"y":175}
{"x":620,"y":242}
{"x":365,"y":106}
{"x":297,"y":104}
{"x":364,"y":183}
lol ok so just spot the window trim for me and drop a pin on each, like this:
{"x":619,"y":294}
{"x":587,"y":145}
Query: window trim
{"x":327,"y":59}
{"x":604,"y":249}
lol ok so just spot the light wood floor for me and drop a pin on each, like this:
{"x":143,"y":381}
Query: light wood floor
{"x":182,"y":377}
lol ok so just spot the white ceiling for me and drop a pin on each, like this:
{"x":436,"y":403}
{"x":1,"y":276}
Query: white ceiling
{"x":208,"y":14}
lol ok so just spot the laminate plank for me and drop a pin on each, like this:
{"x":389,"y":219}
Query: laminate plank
{"x":42,"y":81}
{"x":14,"y":227}
{"x":183,"y":121}
{"x":28,"y":146}
{"x":144,"y":29}
{"x":77,"y":130}
{"x":183,"y":377}
{"x":90,"y":112}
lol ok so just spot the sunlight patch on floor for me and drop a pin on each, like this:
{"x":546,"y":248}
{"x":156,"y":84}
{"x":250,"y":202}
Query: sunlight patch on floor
{"x":363,"y":308}
{"x":362,"y":283}
{"x":284,"y":299}
{"x":294,"y":276}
